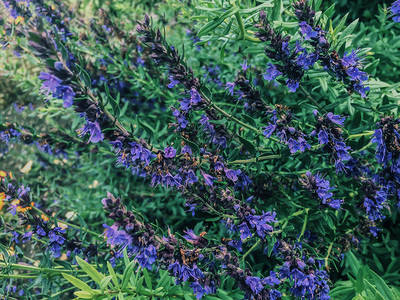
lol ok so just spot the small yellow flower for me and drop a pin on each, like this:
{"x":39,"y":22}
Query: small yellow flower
{"x":44,"y":217}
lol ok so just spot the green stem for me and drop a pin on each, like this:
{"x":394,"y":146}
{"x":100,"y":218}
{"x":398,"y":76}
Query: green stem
{"x":251,"y":39}
{"x":17,"y":276}
{"x":256,"y":159}
{"x":250,"y":250}
{"x":297,"y":213}
{"x":240,"y":25}
{"x":309,"y":97}
{"x":36,"y":269}
{"x":303,"y":229}
{"x":327,"y":255}
{"x":354,"y":136}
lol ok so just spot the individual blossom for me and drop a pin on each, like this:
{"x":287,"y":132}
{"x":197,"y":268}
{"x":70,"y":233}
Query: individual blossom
{"x":93,"y":128}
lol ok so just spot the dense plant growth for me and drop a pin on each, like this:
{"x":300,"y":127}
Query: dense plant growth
{"x":199,"y":149}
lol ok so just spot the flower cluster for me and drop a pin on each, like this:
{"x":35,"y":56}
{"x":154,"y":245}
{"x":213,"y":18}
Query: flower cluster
{"x":39,"y":226}
{"x":280,"y":126}
{"x":246,"y":92}
{"x":307,"y":280}
{"x":330,"y":137}
{"x":346,"y":69}
{"x":186,"y":264}
{"x":387,"y":140}
{"x":293,"y":61}
{"x":320,"y":188}
{"x":395,"y":9}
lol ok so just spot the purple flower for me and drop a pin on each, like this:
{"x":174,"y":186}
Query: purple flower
{"x":66,"y":93}
{"x":245,"y":66}
{"x":292,"y":85}
{"x":244,"y":231}
{"x":269,"y":130}
{"x":307,"y":31}
{"x":382,"y":154}
{"x":187,"y":149}
{"x":50,"y":83}
{"x":395,"y":9}
{"x":230,"y":86}
{"x":190,"y":177}
{"x":255,"y":284}
{"x":323,"y":137}
{"x":271,"y":72}
{"x":194,"y":96}
{"x":208,"y":178}
{"x":192,"y":208}
{"x":236,"y":244}
{"x":337,"y":119}
{"x":173,"y":82}
{"x":93,"y":128}
{"x":170,"y":152}
{"x":147,"y":256}
{"x":232,"y":174}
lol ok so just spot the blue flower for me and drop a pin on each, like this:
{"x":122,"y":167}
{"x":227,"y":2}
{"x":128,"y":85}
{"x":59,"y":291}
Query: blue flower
{"x":271,"y":72}
{"x":147,"y":256}
{"x":198,"y":290}
{"x":173,"y":82}
{"x":208,"y":178}
{"x":187,"y":149}
{"x":395,"y":9}
{"x":269,"y":130}
{"x":66,"y":93}
{"x":236,"y":244}
{"x":50,"y":83}
{"x":192,"y":208}
{"x":255,"y":284}
{"x":244,"y":231}
{"x":337,"y":119}
{"x":292,"y":85}
{"x":194,"y":96}
{"x":169,"y":152}
{"x":307,"y":31}
{"x":230,"y":86}
{"x":232,"y":174}
{"x":93,"y":128}
{"x":245,"y":66}
{"x":382,"y":154}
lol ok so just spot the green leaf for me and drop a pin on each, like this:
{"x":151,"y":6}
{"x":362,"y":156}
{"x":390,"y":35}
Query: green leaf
{"x":90,"y":270}
{"x":84,"y":76}
{"x":387,"y":107}
{"x":114,"y":276}
{"x":84,"y":295}
{"x":105,"y":281}
{"x":163,"y":280}
{"x":147,"y":278}
{"x":78,"y":283}
{"x":353,"y":262}
{"x":248,"y":145}
{"x":276,"y":14}
{"x":349,"y":30}
{"x":249,"y":120}
{"x":113,"y":102}
{"x":127,"y":274}
{"x":217,"y":21}
{"x":382,"y":286}
{"x":361,"y":107}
